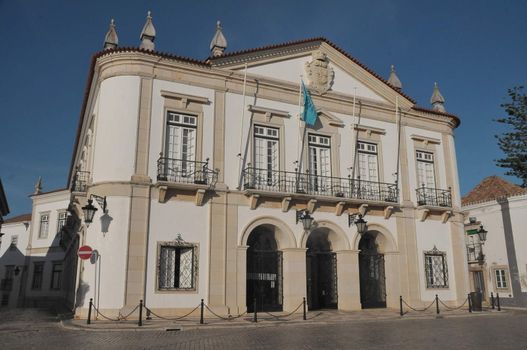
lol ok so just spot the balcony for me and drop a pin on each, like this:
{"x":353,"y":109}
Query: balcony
{"x":434,"y":197}
{"x":475,"y":253}
{"x":286,"y":182}
{"x":80,"y":181}
{"x":186,"y":175}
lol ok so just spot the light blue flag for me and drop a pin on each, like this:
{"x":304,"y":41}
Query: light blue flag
{"x":310,"y":112}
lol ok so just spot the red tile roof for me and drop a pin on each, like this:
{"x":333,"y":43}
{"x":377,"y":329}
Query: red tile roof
{"x":18,"y":218}
{"x":491,"y":188}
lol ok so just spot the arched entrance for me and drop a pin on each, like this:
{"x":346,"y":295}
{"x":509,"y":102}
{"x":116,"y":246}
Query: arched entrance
{"x":371,"y":271}
{"x":321,"y":271}
{"x":264,"y":270}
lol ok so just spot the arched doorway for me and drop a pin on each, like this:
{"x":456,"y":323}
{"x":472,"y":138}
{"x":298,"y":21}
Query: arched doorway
{"x":321,"y":271}
{"x":264,"y":270}
{"x":371,"y":271}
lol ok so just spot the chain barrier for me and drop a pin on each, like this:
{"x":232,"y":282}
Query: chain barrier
{"x":121,"y":317}
{"x":228,"y":318}
{"x":419,"y":310}
{"x":448,"y":308}
{"x":170,"y":318}
{"x":287,"y":315}
{"x":105,"y":317}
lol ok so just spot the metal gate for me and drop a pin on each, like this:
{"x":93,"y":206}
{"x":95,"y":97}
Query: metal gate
{"x":321,"y":272}
{"x":372,"y":280}
{"x":264,"y":280}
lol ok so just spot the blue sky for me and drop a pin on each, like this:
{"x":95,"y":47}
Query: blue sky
{"x":475,"y":50}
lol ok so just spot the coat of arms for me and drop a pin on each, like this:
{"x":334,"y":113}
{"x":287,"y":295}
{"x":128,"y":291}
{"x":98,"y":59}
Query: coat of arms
{"x":319,"y":74}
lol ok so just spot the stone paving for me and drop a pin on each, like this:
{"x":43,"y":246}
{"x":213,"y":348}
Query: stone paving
{"x":33,"y":329}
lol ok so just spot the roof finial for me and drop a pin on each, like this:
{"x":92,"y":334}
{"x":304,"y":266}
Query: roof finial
{"x":38,"y":186}
{"x":437,"y":100}
{"x":393,"y":80}
{"x":111,"y":40}
{"x":218,"y":43}
{"x":148,"y":34}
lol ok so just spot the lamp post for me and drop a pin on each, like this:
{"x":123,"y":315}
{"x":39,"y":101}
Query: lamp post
{"x":482,"y":234}
{"x":89,"y":209}
{"x":357,"y":220}
{"x":307,"y":220}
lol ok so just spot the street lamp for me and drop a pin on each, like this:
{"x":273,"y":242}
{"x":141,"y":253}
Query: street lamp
{"x":482,"y":233}
{"x":89,"y":209}
{"x":362,"y":225}
{"x":307,"y":220}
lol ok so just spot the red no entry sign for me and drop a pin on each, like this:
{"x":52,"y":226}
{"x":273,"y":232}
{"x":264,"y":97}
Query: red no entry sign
{"x":85,"y":252}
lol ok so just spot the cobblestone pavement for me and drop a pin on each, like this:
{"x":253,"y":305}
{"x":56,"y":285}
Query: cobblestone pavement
{"x":30,"y":329}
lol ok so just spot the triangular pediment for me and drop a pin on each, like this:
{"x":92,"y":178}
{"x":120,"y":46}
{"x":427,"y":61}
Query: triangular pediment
{"x":324,"y":68}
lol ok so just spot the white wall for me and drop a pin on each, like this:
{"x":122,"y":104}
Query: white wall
{"x":290,"y":70}
{"x":167,"y":220}
{"x":116,"y":129}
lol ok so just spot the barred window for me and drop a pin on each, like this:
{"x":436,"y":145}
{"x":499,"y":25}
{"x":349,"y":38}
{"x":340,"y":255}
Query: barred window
{"x":436,"y":269}
{"x":56,"y":276}
{"x":177,"y":267}
{"x":38,"y":273}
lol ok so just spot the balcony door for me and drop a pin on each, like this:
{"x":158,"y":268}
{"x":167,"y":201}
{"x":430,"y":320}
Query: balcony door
{"x":425,"y":169}
{"x":319,"y":163}
{"x":180,"y":144}
{"x":266,"y":156}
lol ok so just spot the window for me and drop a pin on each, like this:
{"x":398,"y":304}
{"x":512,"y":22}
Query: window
{"x":7,"y":282}
{"x":38,"y":273}
{"x":501,"y":278}
{"x":5,"y":299}
{"x":56,"y":276}
{"x":14,"y":241}
{"x":177,"y":266}
{"x":180,"y":143}
{"x":266,"y":155}
{"x":319,"y":162}
{"x":44,"y":226}
{"x":367,"y":161}
{"x":425,"y":169}
{"x":61,"y":221}
{"x":436,"y":269}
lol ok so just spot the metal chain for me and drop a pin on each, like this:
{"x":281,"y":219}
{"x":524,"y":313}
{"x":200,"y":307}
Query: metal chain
{"x":121,"y":317}
{"x":230,"y":318}
{"x":171,"y":319}
{"x":103,"y":316}
{"x":455,"y":308}
{"x":287,"y":315}
{"x":426,"y":308}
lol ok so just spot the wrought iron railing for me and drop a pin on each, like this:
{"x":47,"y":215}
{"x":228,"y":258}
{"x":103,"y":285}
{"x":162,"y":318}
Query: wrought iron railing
{"x":307,"y":183}
{"x":80,"y":181}
{"x":474,"y":252}
{"x":6,"y":284}
{"x":186,"y":171}
{"x":434,"y":197}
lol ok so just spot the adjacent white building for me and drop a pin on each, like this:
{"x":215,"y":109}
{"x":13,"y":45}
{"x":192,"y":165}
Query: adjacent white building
{"x":499,"y":264}
{"x":199,"y":170}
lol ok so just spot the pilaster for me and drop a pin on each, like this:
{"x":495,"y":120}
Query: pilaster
{"x":294,"y":277}
{"x":348,"y":280}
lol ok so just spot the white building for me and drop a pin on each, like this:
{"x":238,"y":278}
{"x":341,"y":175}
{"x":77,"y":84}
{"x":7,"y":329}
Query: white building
{"x":499,"y":265}
{"x":204,"y":165}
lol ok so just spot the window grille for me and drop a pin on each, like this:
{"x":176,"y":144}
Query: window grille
{"x":436,"y":269}
{"x":177,"y":269}
{"x":38,"y":272}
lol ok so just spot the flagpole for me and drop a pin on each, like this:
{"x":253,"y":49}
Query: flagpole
{"x":356,"y":141}
{"x":398,"y":121}
{"x":299,"y":139}
{"x":242,"y":160}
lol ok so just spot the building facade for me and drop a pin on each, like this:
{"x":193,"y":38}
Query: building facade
{"x":199,"y":170}
{"x":497,"y":265}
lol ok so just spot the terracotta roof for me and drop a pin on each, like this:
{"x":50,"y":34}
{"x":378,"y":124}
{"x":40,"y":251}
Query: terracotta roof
{"x":491,"y":188}
{"x":18,"y":218}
